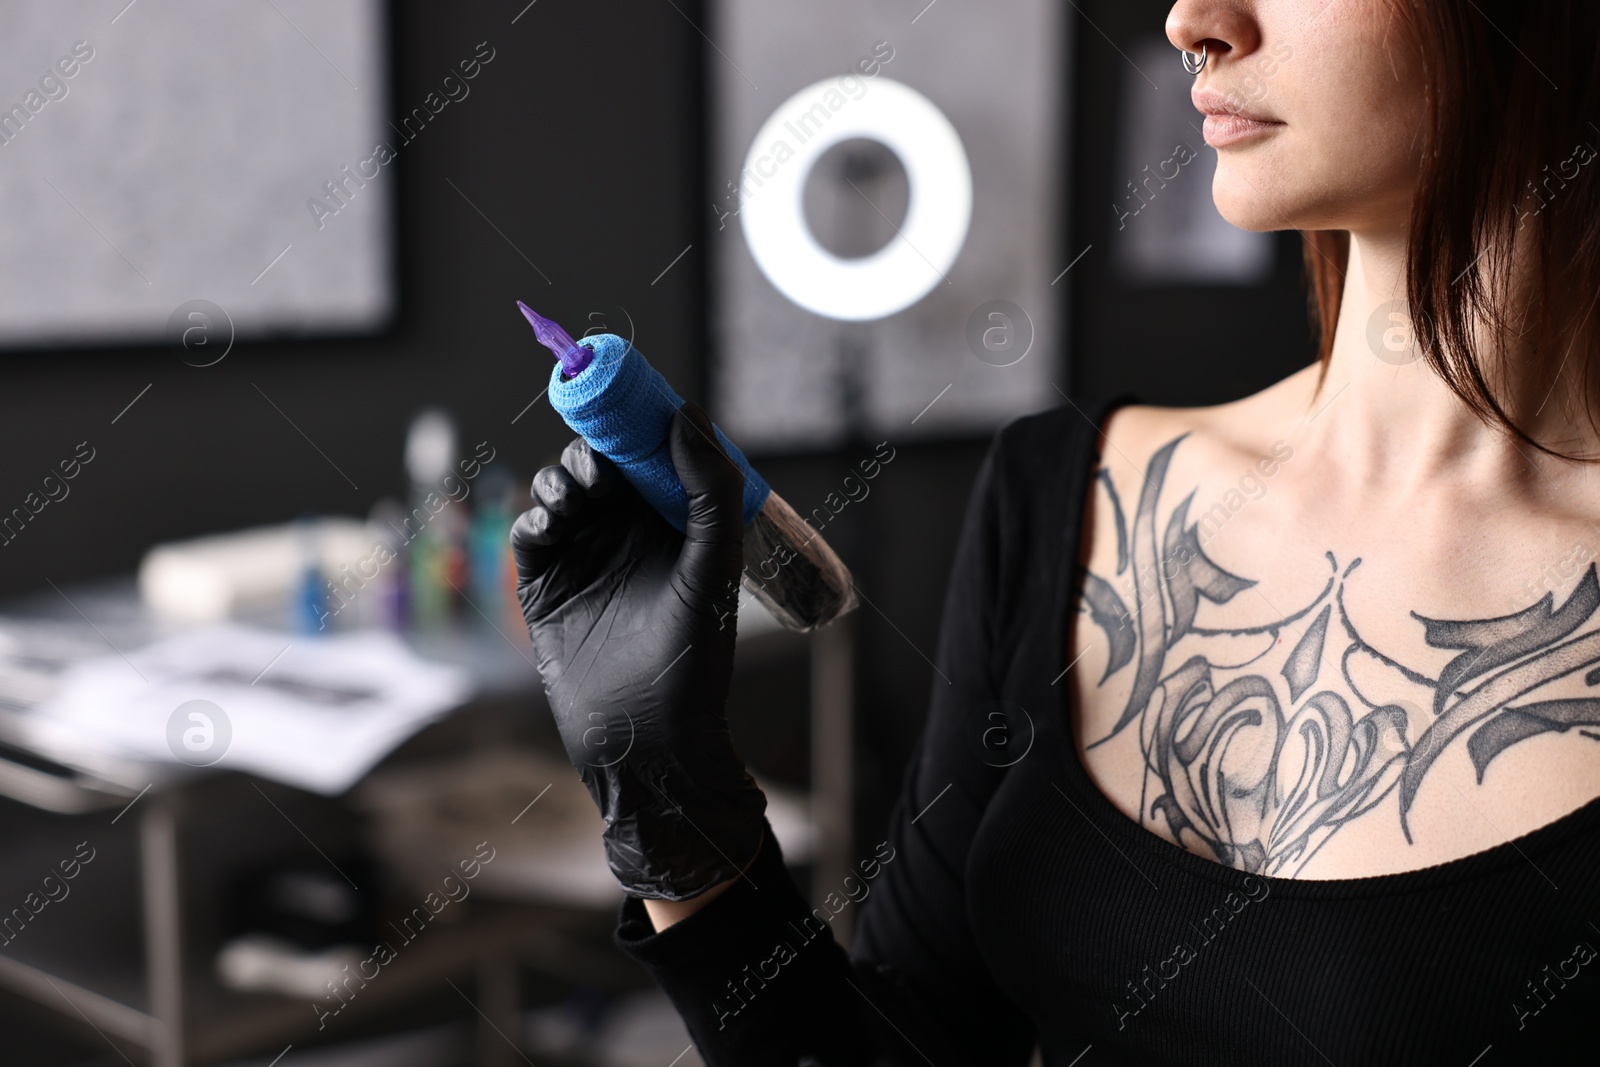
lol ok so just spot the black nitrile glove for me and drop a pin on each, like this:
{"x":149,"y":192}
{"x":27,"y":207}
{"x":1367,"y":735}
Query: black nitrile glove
{"x":634,"y":627}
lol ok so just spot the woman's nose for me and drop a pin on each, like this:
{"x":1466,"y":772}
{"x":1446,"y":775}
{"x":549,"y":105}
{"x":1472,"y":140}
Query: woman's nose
{"x":1222,"y":26}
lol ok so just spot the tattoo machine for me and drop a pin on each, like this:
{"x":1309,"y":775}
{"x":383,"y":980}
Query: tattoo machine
{"x":609,"y":395}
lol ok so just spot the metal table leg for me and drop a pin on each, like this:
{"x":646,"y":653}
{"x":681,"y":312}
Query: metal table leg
{"x":499,"y":1022}
{"x":833,"y":759}
{"x":163,"y":913}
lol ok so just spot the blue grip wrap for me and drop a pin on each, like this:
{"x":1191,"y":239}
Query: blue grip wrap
{"x":624,"y":409}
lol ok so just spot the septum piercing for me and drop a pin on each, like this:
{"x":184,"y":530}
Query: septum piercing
{"x":1192,"y":65}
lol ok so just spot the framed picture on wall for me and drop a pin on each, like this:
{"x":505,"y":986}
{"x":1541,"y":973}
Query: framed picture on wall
{"x":229,"y":161}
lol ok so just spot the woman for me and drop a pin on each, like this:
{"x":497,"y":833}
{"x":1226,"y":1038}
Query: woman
{"x":1298,"y":764}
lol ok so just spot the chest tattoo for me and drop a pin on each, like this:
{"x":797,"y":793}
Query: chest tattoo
{"x":1246,"y":742}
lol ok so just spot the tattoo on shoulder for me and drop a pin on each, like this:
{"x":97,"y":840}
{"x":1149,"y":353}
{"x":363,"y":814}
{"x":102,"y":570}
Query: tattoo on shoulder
{"x":1248,"y":746}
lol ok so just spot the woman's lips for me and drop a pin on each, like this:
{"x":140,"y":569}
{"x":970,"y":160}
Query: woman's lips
{"x":1224,"y":130}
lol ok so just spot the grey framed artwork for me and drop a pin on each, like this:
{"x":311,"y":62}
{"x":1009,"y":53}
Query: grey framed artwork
{"x":168,"y":157}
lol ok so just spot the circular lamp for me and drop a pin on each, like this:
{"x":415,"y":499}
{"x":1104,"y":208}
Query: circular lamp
{"x":938,"y":211}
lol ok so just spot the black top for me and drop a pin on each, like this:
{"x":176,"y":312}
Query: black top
{"x":1013,"y":903}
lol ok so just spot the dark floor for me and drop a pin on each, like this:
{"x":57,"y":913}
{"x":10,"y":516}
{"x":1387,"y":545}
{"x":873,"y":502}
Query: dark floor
{"x":640,"y":1031}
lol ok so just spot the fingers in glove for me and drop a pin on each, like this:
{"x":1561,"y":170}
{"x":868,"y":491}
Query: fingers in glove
{"x":557,"y":499}
{"x":712,"y":554}
{"x":556,"y":488}
{"x":560,"y":493}
{"x":535,"y":529}
{"x":713,"y":483}
{"x":591,"y":470}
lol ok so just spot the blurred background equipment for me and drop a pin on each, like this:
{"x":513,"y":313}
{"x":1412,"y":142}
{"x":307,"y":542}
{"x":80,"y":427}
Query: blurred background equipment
{"x":421,"y":811}
{"x":296,"y":929}
{"x":255,"y":406}
{"x":229,"y":575}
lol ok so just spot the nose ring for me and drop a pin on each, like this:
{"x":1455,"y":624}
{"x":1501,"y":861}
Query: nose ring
{"x":1193,"y":65}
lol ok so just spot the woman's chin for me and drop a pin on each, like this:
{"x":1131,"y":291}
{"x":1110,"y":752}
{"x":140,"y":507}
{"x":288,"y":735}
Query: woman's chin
{"x":1251,"y":202}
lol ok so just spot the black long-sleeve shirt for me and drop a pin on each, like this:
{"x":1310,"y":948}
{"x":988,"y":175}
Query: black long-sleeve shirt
{"x":1012,"y":903}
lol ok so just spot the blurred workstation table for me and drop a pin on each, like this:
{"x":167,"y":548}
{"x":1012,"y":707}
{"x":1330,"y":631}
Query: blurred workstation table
{"x":470,"y":841}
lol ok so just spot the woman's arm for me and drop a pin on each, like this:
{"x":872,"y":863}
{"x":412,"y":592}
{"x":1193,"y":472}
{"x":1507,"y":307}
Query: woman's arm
{"x":628,"y":623}
{"x":755,"y":971}
{"x":626,"y":617}
{"x":663,"y":913}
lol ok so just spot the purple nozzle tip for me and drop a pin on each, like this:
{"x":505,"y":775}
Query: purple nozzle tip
{"x":573,"y":356}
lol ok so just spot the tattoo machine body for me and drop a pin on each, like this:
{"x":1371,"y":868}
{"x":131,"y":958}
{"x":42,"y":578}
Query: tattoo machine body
{"x":604,"y":389}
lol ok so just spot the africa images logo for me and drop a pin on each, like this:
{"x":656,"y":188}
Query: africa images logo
{"x":199,"y":733}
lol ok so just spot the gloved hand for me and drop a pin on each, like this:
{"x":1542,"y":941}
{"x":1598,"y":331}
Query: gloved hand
{"x":634,"y":628}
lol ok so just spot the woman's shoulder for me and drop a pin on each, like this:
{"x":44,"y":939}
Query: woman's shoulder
{"x":1204,"y":443}
{"x":1084,"y":424}
{"x":1041,"y":465}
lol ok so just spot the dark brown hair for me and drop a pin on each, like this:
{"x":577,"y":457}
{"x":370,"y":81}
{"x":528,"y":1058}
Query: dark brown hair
{"x":1510,"y":130}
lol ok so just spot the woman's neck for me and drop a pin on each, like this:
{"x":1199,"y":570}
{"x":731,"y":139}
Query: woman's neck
{"x":1395,"y":423}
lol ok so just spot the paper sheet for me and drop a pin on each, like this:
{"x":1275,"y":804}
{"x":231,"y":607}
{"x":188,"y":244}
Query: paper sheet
{"x":313,"y":712}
